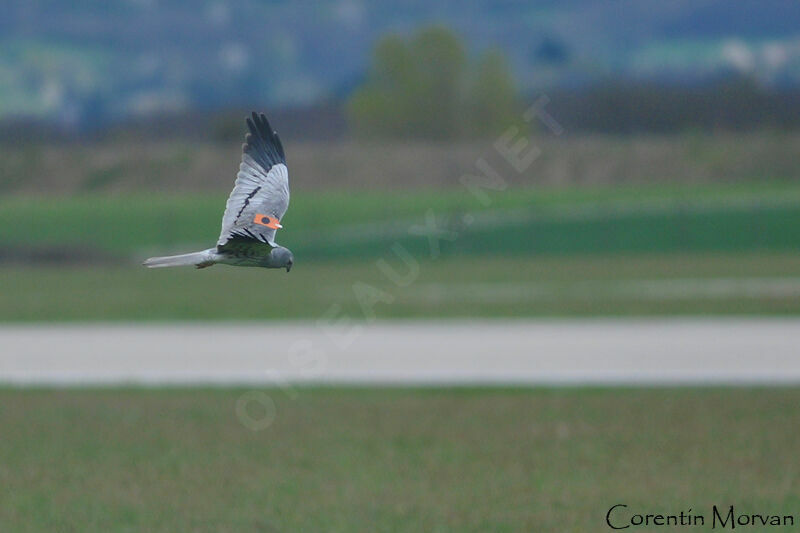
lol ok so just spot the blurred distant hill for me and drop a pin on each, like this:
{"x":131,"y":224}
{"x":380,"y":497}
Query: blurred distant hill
{"x":81,"y":63}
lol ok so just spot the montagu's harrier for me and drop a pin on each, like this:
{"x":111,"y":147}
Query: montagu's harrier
{"x":254,"y":210}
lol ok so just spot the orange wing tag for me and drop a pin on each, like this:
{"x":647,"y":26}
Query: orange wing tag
{"x":268,"y":221}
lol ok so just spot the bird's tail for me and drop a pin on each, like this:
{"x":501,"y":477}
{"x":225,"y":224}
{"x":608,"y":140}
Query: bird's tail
{"x":198,"y":259}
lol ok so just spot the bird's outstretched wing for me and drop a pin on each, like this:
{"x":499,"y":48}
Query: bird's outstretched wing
{"x":260,"y":195}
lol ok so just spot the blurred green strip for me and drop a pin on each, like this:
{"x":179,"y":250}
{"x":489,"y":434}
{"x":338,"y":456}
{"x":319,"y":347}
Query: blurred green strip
{"x":320,"y":225}
{"x":581,"y":285}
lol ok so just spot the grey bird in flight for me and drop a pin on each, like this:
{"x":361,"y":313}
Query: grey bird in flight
{"x":254,"y":209}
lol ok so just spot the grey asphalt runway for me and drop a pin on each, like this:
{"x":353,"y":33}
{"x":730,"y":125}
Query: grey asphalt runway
{"x":603,"y":351}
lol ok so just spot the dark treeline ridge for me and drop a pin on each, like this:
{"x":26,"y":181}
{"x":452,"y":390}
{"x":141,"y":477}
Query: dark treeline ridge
{"x":728,"y":105}
{"x":615,"y":109}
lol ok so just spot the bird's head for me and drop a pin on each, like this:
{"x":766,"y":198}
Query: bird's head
{"x":282,"y":258}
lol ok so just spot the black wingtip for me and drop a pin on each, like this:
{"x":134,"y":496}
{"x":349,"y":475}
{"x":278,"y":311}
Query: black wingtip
{"x":279,"y":145}
{"x":253,"y":118}
{"x":263,"y":140}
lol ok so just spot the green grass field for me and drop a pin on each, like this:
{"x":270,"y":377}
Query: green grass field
{"x":323,"y":225}
{"x":480,"y":460}
{"x":652,"y":250}
{"x":586,"y":285}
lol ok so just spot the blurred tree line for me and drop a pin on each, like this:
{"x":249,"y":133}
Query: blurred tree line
{"x":733,"y":103}
{"x":427,"y":87}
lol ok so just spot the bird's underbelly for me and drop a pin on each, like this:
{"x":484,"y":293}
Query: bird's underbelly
{"x":240,"y":260}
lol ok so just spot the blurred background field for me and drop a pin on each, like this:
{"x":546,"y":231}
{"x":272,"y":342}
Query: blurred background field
{"x":651,"y":248}
{"x":663,"y":176}
{"x":579,"y":285}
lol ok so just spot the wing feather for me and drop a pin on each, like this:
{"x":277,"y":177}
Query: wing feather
{"x":261,"y":187}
